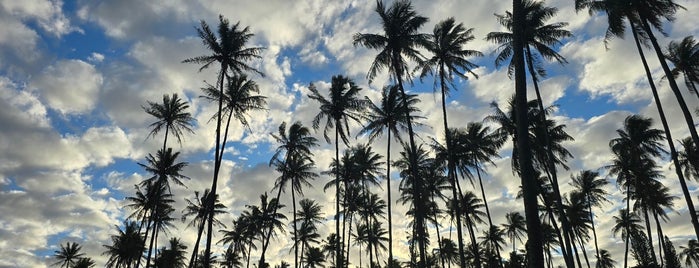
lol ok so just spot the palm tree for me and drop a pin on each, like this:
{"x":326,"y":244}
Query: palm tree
{"x":127,"y":246}
{"x":308,"y":216}
{"x":472,"y":214}
{"x":264,"y":217}
{"x":240,"y":237}
{"x":493,"y":240}
{"x":605,"y":259}
{"x":690,"y":253}
{"x":314,"y":258}
{"x":397,"y":45}
{"x":515,"y":227}
{"x":591,"y":186}
{"x":655,"y":198}
{"x":449,"y":59}
{"x":330,"y":247}
{"x":626,"y":223}
{"x":685,"y":58}
{"x":229,"y":50}
{"x":295,"y":148}
{"x":161,"y":222}
{"x":689,"y":159}
{"x":174,"y":257}
{"x":172,"y":115}
{"x":576,"y":211}
{"x":68,"y":255}
{"x":448,"y":251}
{"x":200,"y":211}
{"x":389,"y":115}
{"x":642,"y":16}
{"x":343,"y":104}
{"x":84,"y":263}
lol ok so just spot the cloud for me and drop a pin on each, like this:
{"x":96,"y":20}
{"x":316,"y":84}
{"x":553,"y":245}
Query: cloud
{"x":69,"y":86}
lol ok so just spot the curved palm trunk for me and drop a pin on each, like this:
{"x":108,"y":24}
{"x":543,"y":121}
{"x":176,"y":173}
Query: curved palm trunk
{"x":668,"y":135}
{"x":529,"y":188}
{"x":388,"y":187}
{"x":650,"y":234}
{"x":268,"y":235}
{"x":567,"y":232}
{"x":339,"y":249}
{"x":296,"y":248}
{"x":152,"y":240}
{"x":474,"y":242}
{"x":450,"y":171}
{"x":582,"y":248}
{"x":661,"y":246}
{"x":628,"y":231}
{"x":193,"y":259}
{"x":577,"y":255}
{"x":349,"y":238}
{"x":145,"y":236}
{"x":594,"y":232}
{"x":487,"y":211}
{"x":439,"y":239}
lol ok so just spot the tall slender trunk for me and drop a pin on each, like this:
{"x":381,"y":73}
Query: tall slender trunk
{"x":661,"y":241}
{"x":439,"y":239}
{"x":388,"y":189}
{"x":577,"y":255}
{"x":567,"y":232}
{"x":451,"y":175}
{"x":193,"y":259}
{"x":293,"y":204}
{"x":594,"y":232}
{"x":217,"y":164}
{"x":417,"y":185}
{"x":668,"y":135}
{"x":146,"y":219}
{"x":268,"y":234}
{"x":673,"y":85}
{"x":529,"y":183}
{"x":650,"y":235}
{"x":474,"y":242}
{"x":487,"y":211}
{"x":628,"y":231}
{"x":349,"y":238}
{"x":339,"y":248}
{"x":152,"y":240}
{"x":582,"y":248}
{"x":249,"y":253}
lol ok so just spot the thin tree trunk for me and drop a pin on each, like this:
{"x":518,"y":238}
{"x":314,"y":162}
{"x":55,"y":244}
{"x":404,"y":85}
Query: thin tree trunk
{"x":650,"y":235}
{"x":388,"y":188}
{"x":582,"y":248}
{"x":661,"y":244}
{"x":195,"y":251}
{"x":451,"y":175}
{"x":529,"y":183}
{"x":417,"y":185}
{"x":628,"y":231}
{"x":439,"y":239}
{"x":268,"y":235}
{"x":577,"y":255}
{"x":150,"y":247}
{"x":145,"y":236}
{"x":668,"y":136}
{"x":249,"y":253}
{"x":474,"y":242}
{"x":349,"y":238}
{"x":296,"y":248}
{"x":594,"y":232}
{"x":487,"y":211}
{"x":339,"y":250}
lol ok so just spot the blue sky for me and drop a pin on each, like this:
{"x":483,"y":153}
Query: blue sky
{"x":74,"y":75}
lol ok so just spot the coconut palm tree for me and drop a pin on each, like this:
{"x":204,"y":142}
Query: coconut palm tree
{"x":690,"y":253}
{"x":472,"y":207}
{"x":68,"y":255}
{"x":591,"y":186}
{"x":172,"y":115}
{"x":626,"y":223}
{"x":446,"y":44}
{"x":164,"y":168}
{"x":314,"y":258}
{"x":174,"y":257}
{"x":342,"y":105}
{"x":605,"y":259}
{"x":689,"y":159}
{"x":684,"y":55}
{"x":398,"y":44}
{"x":389,"y":115}
{"x":84,"y":263}
{"x":576,"y":211}
{"x":199,"y":210}
{"x":229,"y":50}
{"x":492,"y":241}
{"x":642,"y":17}
{"x":515,"y":227}
{"x":655,"y":198}
{"x":329,"y":247}
{"x":263,"y":217}
{"x":127,"y":246}
{"x":240,"y":239}
{"x":448,"y":251}
{"x":308,"y":217}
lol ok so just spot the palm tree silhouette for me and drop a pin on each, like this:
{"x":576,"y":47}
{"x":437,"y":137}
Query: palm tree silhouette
{"x":127,"y":246}
{"x":68,"y":255}
{"x":492,"y":243}
{"x":84,"y":263}
{"x":308,"y":217}
{"x":690,"y":253}
{"x":172,"y":115}
{"x":576,"y":211}
{"x":605,"y":259}
{"x":200,"y":212}
{"x":591,"y":186}
{"x":314,"y":258}
{"x":685,"y":58}
{"x":397,"y":45}
{"x":264,"y":217}
{"x":174,"y":256}
{"x":240,"y":239}
{"x":343,"y":104}
{"x":689,"y":158}
{"x":627,"y":223}
{"x":448,"y":60}
{"x":389,"y":115}
{"x":229,"y":50}
{"x":515,"y":227}
{"x":641,"y":16}
{"x":472,"y":213}
{"x":654,"y":198}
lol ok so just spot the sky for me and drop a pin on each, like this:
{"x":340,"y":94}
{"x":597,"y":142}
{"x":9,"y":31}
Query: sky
{"x":74,"y":76}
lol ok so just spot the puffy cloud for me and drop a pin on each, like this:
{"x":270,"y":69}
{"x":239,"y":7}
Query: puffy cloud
{"x":69,"y":86}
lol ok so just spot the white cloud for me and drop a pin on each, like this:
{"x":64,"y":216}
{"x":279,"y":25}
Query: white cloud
{"x":69,"y":86}
{"x":48,"y":14}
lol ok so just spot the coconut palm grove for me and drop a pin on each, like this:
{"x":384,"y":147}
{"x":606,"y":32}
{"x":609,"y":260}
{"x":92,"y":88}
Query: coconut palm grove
{"x":377,"y":133}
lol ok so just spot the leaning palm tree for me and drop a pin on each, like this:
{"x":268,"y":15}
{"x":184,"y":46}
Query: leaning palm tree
{"x":605,"y":259}
{"x":199,"y":210}
{"x":627,"y":223}
{"x":172,"y":115}
{"x":685,"y":58}
{"x":342,"y":105}
{"x":68,"y":255}
{"x":397,"y":45}
{"x":448,"y":60}
{"x":389,"y":115}
{"x":127,"y":246}
{"x":515,"y":227}
{"x":690,"y":253}
{"x":591,"y":186}
{"x":229,"y":50}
